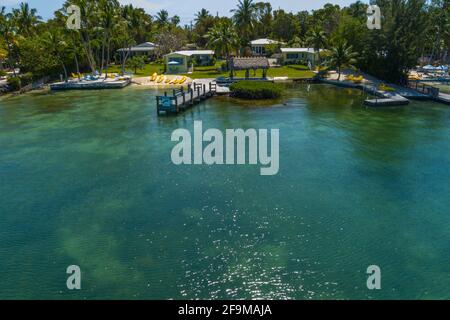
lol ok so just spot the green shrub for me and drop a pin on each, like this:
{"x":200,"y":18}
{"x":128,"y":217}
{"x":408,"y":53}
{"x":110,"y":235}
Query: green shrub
{"x":26,"y":78}
{"x":14,"y":83}
{"x":256,"y":90}
{"x":3,"y":73}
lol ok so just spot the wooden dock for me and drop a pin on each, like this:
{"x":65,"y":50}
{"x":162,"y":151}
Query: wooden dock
{"x":90,"y":85}
{"x":181,"y":99}
{"x":431,"y":91}
{"x":443,"y":98}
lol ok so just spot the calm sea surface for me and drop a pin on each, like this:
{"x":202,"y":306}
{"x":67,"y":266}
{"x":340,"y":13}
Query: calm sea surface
{"x":86,"y":179}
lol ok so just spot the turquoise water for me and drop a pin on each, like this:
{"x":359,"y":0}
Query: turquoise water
{"x":86,"y":179}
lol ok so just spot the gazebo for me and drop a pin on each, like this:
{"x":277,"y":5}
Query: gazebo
{"x":247,"y":64}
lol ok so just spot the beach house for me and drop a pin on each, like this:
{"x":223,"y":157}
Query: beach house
{"x":262,"y":47}
{"x":146,"y":49}
{"x":184,"y":61}
{"x":306,"y":56}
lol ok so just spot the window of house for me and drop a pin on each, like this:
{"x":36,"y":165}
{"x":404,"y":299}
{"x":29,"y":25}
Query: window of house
{"x":176,"y":59}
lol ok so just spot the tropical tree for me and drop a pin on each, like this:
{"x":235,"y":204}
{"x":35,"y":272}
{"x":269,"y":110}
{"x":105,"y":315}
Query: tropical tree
{"x":57,"y":45}
{"x":224,"y":38}
{"x":8,"y":33}
{"x":109,"y":15}
{"x":26,"y":19}
{"x":202,"y":15}
{"x":245,"y":17}
{"x":284,"y":26}
{"x":264,"y":19}
{"x":162,"y":18}
{"x":135,"y":63}
{"x":317,"y":39}
{"x":89,"y":29}
{"x":340,"y":56}
{"x":175,"y":21}
{"x":204,"y":21}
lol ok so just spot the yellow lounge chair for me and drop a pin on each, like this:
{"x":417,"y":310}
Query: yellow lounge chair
{"x":414,"y":77}
{"x":384,"y":87}
{"x":167,"y":80}
{"x":349,"y":77}
{"x":154,"y":77}
{"x":358,"y":79}
{"x":161,"y":79}
{"x":182,"y":80}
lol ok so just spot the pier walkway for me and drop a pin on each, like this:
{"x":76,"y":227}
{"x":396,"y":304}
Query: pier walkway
{"x":181,"y":99}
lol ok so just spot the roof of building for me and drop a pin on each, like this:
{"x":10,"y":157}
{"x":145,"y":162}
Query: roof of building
{"x":295,"y":50}
{"x":143,"y":47}
{"x":189,"y":53}
{"x":242,"y":63}
{"x":261,"y":42}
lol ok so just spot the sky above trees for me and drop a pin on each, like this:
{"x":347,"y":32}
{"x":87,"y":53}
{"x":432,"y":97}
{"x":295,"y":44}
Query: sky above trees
{"x":184,"y":9}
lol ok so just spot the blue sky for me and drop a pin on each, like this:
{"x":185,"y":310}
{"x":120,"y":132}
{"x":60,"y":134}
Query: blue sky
{"x":186,"y":9}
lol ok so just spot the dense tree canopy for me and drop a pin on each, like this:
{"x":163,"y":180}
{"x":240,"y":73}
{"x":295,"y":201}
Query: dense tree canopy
{"x":412,"y":31}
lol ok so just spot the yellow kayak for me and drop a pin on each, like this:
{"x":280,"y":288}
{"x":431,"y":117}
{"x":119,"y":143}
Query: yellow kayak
{"x":182,"y":80}
{"x":177,"y":81}
{"x":173,"y":81}
{"x":414,"y":77}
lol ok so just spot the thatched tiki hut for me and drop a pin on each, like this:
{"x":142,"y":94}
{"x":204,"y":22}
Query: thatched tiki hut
{"x":247,"y":64}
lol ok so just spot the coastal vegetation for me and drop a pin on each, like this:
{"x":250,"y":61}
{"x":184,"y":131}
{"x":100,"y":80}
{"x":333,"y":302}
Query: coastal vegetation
{"x":412,"y":31}
{"x":256,"y":90}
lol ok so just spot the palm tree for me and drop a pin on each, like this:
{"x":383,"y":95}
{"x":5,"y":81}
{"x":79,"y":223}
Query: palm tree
{"x":342,"y":55}
{"x":108,"y":14}
{"x":26,"y":19}
{"x":175,"y":20}
{"x":223,"y":37}
{"x":56,"y":44}
{"x":8,"y":33}
{"x":162,"y":18}
{"x":3,"y":52}
{"x":201,"y":16}
{"x":88,"y":14}
{"x":317,"y":39}
{"x":245,"y":18}
{"x":265,"y":18}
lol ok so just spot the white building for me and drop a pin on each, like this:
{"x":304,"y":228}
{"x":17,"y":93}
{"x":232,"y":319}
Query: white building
{"x":182,"y":61}
{"x":306,"y":56}
{"x":147,"y":48}
{"x":259,"y":46}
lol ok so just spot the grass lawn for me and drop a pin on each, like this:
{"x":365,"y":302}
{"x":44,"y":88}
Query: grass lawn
{"x":291,"y":71}
{"x":148,"y":70}
{"x":285,"y":71}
